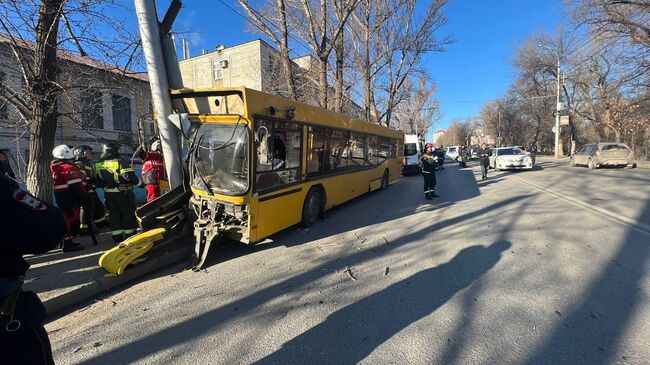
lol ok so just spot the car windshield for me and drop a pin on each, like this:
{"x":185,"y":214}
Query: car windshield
{"x":220,"y":160}
{"x":510,"y":151}
{"x":452,"y":149}
{"x":410,"y":149}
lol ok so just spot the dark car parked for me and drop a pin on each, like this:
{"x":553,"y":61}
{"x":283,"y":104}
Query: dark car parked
{"x":595,"y":155}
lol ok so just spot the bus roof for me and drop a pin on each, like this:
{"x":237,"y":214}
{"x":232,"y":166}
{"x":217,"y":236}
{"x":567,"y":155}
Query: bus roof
{"x":258,"y":103}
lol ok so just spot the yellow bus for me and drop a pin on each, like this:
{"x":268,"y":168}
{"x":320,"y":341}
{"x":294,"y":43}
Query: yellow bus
{"x":259,"y":163}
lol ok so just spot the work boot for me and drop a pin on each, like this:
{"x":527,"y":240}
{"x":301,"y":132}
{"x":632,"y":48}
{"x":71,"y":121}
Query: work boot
{"x":427,"y":196}
{"x":70,"y":246}
{"x":434,"y":195}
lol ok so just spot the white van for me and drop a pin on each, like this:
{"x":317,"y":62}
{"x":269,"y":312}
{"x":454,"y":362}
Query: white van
{"x":411,"y":162}
{"x":451,"y":153}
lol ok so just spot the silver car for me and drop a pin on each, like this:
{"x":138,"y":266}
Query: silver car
{"x":595,"y":155}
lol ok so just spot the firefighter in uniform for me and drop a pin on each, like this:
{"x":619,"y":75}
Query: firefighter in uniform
{"x":94,"y":212}
{"x":69,"y":191}
{"x":118,"y":179}
{"x":29,"y":226}
{"x":153,"y":169}
{"x":429,"y":162}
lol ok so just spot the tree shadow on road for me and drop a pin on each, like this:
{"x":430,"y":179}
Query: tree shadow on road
{"x":592,"y":331}
{"x":222,"y":315}
{"x":353,"y":332}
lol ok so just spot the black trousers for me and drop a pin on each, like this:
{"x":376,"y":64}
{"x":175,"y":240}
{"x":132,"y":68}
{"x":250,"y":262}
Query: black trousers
{"x":94,"y":211}
{"x":121,"y":214}
{"x":429,"y":182}
{"x":29,"y":343}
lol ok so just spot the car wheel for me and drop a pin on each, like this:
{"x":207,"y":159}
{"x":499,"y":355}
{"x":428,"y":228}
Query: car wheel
{"x":311,"y":208}
{"x":384,"y":180}
{"x":591,"y":164}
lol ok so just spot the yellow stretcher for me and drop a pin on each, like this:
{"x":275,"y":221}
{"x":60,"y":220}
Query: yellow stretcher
{"x":119,"y":257}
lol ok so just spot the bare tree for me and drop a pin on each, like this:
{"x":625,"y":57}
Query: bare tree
{"x":33,"y":32}
{"x":628,"y":19}
{"x":272,"y":21}
{"x":420,"y":110}
{"x":322,"y":36}
{"x":405,"y":38}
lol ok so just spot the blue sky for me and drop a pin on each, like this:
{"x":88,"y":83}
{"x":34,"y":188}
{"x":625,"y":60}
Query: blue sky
{"x":474,"y":69}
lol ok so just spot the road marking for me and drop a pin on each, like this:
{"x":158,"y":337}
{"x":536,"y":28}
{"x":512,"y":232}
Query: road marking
{"x":633,"y":223}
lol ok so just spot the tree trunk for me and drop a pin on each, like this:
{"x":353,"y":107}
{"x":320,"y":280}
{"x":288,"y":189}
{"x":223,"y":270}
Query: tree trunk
{"x":284,"y":50}
{"x":42,"y":126}
{"x":322,"y":81}
{"x":338,"y":96}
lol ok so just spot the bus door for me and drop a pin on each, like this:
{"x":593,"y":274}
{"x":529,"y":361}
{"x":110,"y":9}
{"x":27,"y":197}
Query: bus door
{"x":278,"y":157}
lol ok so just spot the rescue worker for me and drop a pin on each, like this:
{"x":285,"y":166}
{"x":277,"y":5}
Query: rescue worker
{"x":94,"y":212}
{"x":118,"y":179}
{"x":429,"y":162}
{"x":69,"y":192}
{"x":29,"y":226}
{"x":440,"y":154}
{"x":484,"y":154}
{"x":153,"y":169}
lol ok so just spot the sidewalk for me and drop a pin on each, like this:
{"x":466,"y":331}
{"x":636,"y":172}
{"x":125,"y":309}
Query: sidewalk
{"x":65,"y":279}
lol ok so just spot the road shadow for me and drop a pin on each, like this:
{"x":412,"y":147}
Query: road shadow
{"x":453,"y":186}
{"x":353,"y":332}
{"x":591,"y":332}
{"x":210,"y":321}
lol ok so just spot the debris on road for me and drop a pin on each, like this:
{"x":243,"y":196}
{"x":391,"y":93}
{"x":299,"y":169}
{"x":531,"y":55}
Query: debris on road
{"x":349,"y":272}
{"x":385,"y":240}
{"x":386,"y":271}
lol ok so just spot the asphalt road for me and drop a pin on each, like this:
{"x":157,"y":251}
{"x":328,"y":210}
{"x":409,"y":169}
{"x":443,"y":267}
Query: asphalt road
{"x":542,"y":267}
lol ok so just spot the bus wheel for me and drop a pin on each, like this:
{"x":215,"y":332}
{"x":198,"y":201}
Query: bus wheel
{"x":384,"y":180}
{"x":312,"y":207}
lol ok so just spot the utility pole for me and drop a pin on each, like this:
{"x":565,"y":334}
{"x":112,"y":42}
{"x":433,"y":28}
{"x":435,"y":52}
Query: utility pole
{"x":152,"y":45}
{"x":558,"y":107}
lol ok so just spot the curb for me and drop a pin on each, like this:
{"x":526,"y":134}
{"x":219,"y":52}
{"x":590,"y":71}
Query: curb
{"x":105,"y":283}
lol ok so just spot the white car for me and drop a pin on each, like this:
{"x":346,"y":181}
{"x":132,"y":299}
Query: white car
{"x":510,"y":158}
{"x":451,"y":153}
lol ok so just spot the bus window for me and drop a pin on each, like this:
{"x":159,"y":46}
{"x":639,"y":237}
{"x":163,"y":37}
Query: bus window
{"x":340,"y":150}
{"x":277,"y":146}
{"x":373,"y":149}
{"x":320,"y":148}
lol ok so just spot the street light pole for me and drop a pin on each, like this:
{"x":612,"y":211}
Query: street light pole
{"x":557,"y":102}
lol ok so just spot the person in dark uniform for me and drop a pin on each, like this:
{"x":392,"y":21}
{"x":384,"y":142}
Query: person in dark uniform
{"x":440,"y":154}
{"x":429,"y":162}
{"x":5,"y":167}
{"x":29,"y":226}
{"x":118,"y":179}
{"x":484,"y":154}
{"x":94,"y":212}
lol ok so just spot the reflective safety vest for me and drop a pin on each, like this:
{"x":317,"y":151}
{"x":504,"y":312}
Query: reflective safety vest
{"x":116,"y":176}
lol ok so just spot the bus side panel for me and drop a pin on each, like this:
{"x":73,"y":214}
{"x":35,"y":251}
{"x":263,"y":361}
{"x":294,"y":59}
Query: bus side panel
{"x":278,"y":210}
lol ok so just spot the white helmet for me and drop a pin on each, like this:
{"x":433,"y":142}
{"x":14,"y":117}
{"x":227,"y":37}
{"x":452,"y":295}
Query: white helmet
{"x":155,"y":146}
{"x":63,"y":152}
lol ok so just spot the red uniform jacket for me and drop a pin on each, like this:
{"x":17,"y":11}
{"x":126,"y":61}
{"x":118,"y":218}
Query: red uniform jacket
{"x":69,"y":189}
{"x":153,"y":168}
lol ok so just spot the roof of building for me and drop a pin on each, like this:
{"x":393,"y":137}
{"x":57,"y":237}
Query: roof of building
{"x":86,"y":61}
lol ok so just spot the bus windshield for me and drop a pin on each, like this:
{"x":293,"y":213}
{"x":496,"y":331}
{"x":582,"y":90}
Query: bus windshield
{"x":220,"y":160}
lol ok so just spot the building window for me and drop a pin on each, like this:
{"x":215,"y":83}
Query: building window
{"x":121,"y":113}
{"x":217,"y":70}
{"x":4,"y":105}
{"x":91,"y":109}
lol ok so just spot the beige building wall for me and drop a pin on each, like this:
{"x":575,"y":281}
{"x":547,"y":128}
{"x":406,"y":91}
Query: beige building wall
{"x":242,"y":67}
